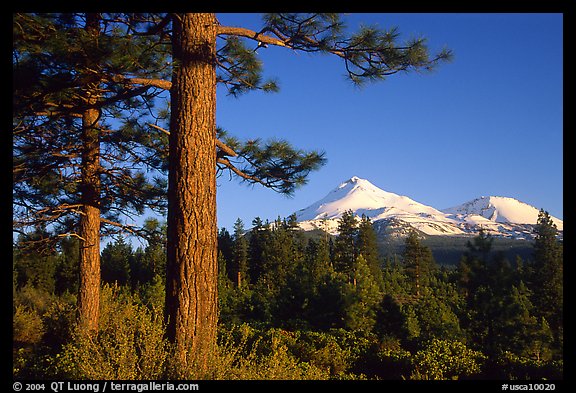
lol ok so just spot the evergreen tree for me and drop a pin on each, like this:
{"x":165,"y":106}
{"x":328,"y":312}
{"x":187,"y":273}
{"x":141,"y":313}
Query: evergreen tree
{"x":541,"y":342}
{"x":280,"y":255}
{"x":500,"y":314}
{"x":473,"y":267}
{"x":396,"y":282}
{"x":516,"y":327}
{"x":418,"y":262}
{"x":240,"y":254}
{"x":345,"y":250}
{"x":116,"y":260}
{"x":547,"y":278}
{"x":66,"y":275}
{"x":155,"y":251}
{"x":35,"y":267}
{"x":363,"y":298}
{"x":548,"y":267}
{"x":389,"y":318}
{"x":436,"y":318}
{"x":259,"y":235}
{"x":317,"y":259}
{"x":225,"y":246}
{"x":325,"y":300}
{"x":73,"y":170}
{"x":367,"y":245}
{"x":480,"y":246}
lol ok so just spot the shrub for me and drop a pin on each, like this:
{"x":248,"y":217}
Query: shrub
{"x":446,"y":359}
{"x":59,"y":320}
{"x":394,"y":362}
{"x":320,"y":349}
{"x":34,"y":298}
{"x":511,"y":366}
{"x":247,"y":353}
{"x":27,"y":326}
{"x":129,"y":344}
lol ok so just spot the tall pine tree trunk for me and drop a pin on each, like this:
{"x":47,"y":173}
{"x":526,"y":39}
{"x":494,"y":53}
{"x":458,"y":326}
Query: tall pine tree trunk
{"x":89,"y":231}
{"x":89,"y":227}
{"x":192,"y":269}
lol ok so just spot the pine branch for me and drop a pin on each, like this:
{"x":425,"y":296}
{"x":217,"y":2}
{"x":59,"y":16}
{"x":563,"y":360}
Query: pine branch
{"x":243,"y":32}
{"x":223,"y":147}
{"x":71,"y":234}
{"x":226,"y":162}
{"x":159,"y":83}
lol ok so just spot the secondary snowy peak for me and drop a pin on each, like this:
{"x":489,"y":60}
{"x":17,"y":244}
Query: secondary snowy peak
{"x":500,"y":210}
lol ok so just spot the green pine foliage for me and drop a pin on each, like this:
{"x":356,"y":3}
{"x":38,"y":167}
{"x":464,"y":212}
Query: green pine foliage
{"x":419,"y":263}
{"x":548,"y":269}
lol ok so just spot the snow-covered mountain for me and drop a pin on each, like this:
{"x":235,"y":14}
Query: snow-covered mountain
{"x":394,"y":214}
{"x":497,"y":209}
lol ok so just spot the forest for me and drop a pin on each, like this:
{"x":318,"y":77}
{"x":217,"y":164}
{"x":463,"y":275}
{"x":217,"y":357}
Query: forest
{"x":295,"y":307}
{"x":114,"y":118}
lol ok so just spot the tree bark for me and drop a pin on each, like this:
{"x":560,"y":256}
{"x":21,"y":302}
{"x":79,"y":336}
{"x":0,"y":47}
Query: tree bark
{"x":192,"y":268}
{"x":89,"y":226}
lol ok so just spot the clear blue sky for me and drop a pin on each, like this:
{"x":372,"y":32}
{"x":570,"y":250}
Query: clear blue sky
{"x":488,"y":123}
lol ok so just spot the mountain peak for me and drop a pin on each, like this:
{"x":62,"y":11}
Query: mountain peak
{"x":500,"y":209}
{"x":354,"y":180}
{"x":362,"y":197}
{"x":498,"y":214}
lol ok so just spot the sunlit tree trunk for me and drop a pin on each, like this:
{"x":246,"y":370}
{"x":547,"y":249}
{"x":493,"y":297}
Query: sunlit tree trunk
{"x":192,"y":268}
{"x":89,"y":225}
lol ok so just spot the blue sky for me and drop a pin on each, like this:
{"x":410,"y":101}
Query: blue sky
{"x":488,"y":123}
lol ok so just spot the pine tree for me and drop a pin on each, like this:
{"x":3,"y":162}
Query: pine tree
{"x":418,"y":262}
{"x":345,"y":250}
{"x":436,"y":318}
{"x":259,"y":235}
{"x":35,"y":267}
{"x":155,"y":251}
{"x":280,"y":255}
{"x":318,"y":261}
{"x":547,"y":278}
{"x":240,"y":254}
{"x":480,"y":246}
{"x":116,"y":261}
{"x":73,"y":170}
{"x":367,"y":245}
{"x":67,"y":269}
{"x":389,"y":318}
{"x":363,"y":298}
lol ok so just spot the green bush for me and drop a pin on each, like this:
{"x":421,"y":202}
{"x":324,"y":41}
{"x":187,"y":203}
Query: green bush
{"x":59,"y":320}
{"x":27,"y":326}
{"x":511,"y":366}
{"x":446,"y":359}
{"x":34,"y":298}
{"x":129,"y":345}
{"x":394,"y":362}
{"x":247,"y":353}
{"x":41,"y":325}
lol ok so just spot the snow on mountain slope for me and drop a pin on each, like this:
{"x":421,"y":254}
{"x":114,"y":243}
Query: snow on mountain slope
{"x":497,"y":215}
{"x":362,"y":197}
{"x":499,"y":209}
